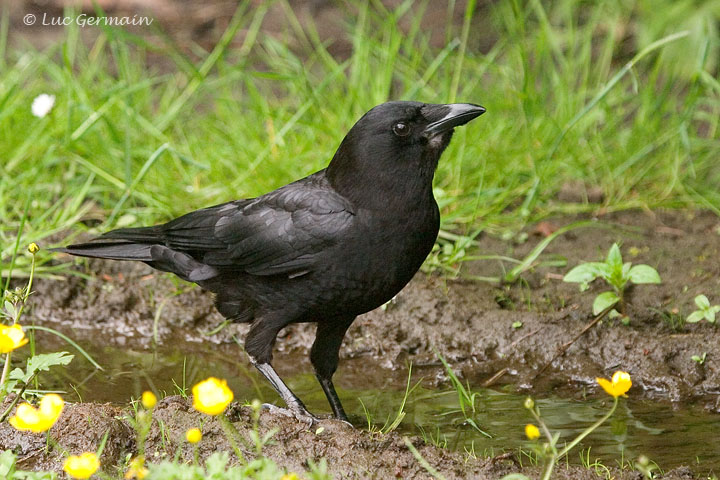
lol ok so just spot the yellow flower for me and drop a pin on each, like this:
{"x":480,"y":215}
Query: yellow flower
{"x":149,"y":400}
{"x":290,"y":476}
{"x":532,"y":432}
{"x":82,"y":466}
{"x":211,"y":396}
{"x":33,"y":248}
{"x":619,"y":384}
{"x":38,"y":419}
{"x":137,"y":469}
{"x":11,"y":337}
{"x":194,"y":435}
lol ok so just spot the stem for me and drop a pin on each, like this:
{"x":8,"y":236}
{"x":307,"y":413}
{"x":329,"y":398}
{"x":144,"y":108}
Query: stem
{"x":6,"y":369}
{"x":55,"y":444}
{"x":17,"y":398}
{"x":587,"y":432}
{"x":545,"y":430}
{"x":549,"y":469}
{"x":230,"y":434}
{"x":27,"y":290}
{"x":196,"y":457}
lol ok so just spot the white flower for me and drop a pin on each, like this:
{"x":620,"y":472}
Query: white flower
{"x":42,"y":105}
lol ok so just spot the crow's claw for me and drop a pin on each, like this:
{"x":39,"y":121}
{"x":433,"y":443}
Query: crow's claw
{"x":302,"y":416}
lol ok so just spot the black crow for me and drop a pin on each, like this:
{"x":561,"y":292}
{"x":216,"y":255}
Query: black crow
{"x":323,"y":249}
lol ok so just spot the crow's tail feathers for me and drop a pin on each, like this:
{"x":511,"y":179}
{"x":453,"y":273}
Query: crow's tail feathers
{"x":117,"y":250}
{"x":121,"y":244}
{"x":143,"y":245}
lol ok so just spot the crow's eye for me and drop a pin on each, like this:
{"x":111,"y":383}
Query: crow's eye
{"x":401,"y":129}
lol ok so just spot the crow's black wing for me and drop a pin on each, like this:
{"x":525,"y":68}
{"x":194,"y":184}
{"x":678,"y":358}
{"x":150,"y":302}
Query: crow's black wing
{"x":282,"y":232}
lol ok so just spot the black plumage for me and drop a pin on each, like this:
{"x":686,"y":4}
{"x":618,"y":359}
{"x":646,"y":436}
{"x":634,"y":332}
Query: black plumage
{"x":323,"y":249}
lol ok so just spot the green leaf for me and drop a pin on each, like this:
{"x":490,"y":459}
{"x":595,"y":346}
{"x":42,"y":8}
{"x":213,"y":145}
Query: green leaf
{"x":614,"y":259}
{"x":603,"y":301}
{"x":702,"y":302}
{"x":644,"y":274}
{"x":39,"y":363}
{"x":710,"y":315}
{"x":7,"y":464}
{"x":11,"y":311}
{"x":626,"y":270}
{"x":583,"y":273}
{"x":695,"y":316}
{"x":606,"y":272}
{"x":44,"y":361}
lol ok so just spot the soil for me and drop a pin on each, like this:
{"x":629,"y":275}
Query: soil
{"x":469,"y":322}
{"x":349,"y":453}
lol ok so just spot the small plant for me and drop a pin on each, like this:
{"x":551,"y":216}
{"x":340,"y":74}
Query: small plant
{"x":467,"y":399}
{"x":12,"y":337}
{"x":705,"y":310}
{"x":550,"y":450}
{"x":617,"y":274}
{"x":647,"y":467}
{"x":699,"y":359}
{"x":391,"y":423}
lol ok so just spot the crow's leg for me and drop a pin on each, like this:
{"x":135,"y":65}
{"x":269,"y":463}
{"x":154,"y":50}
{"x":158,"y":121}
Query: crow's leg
{"x":258,"y":345}
{"x":324,"y":357}
{"x":295,"y":406}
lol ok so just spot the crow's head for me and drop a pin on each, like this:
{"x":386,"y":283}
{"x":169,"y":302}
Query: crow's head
{"x":397,"y":144}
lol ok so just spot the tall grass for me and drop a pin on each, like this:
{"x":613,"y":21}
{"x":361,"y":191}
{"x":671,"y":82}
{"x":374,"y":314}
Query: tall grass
{"x":574,"y":91}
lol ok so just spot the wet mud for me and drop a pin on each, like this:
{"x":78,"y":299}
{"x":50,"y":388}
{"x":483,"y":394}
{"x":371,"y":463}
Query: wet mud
{"x":470,"y":323}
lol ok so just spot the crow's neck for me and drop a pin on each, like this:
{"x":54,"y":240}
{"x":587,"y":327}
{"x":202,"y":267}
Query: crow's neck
{"x":392,"y":185}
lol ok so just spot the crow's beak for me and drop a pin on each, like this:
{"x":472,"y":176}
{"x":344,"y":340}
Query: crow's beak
{"x":454,"y":114}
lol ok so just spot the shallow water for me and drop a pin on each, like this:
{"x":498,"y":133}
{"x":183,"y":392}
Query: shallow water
{"x":668,"y":434}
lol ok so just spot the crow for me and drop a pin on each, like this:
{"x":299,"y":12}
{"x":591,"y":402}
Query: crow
{"x":323,"y":249}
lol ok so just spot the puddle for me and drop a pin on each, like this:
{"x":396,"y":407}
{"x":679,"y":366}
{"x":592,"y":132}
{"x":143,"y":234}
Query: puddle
{"x":670,"y":434}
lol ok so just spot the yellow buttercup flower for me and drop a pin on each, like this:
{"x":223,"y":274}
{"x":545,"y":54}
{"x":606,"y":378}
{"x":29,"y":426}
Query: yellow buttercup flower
{"x":81,"y":466}
{"x":532,"y":432}
{"x":290,"y":476}
{"x":11,"y":337}
{"x":137,"y":469}
{"x":211,"y":396}
{"x":38,"y":419}
{"x":618,"y":385}
{"x":149,"y":400}
{"x":33,"y":248}
{"x":194,"y":435}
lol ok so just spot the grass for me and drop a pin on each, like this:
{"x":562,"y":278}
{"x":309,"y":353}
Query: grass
{"x":616,"y":94}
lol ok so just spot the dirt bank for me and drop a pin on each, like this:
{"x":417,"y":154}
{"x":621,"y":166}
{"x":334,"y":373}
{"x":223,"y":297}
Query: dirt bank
{"x":350,"y":453}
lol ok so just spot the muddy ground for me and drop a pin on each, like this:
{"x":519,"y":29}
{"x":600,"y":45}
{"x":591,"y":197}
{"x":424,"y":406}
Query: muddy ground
{"x":350,"y":453}
{"x":468,"y":322}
